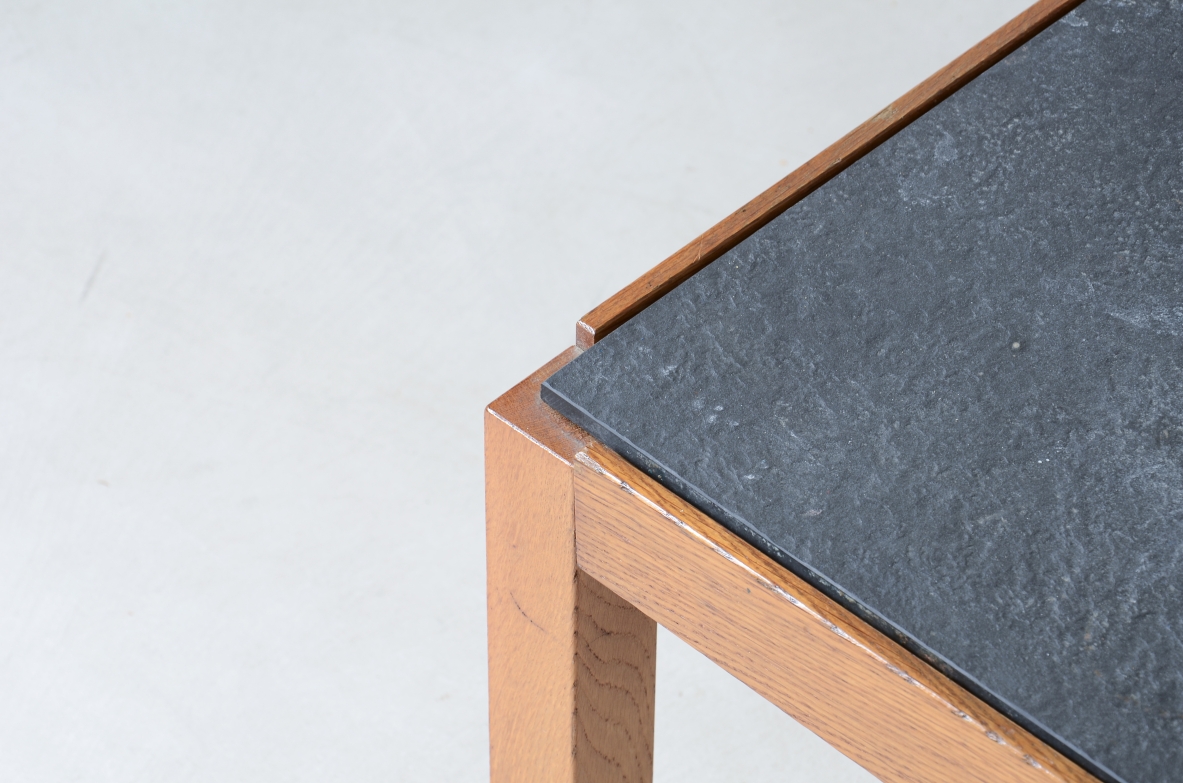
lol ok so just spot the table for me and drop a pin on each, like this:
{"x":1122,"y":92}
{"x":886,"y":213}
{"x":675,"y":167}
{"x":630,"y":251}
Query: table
{"x":899,"y":444}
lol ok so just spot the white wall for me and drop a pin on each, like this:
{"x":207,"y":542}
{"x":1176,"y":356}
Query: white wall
{"x":261,"y":266}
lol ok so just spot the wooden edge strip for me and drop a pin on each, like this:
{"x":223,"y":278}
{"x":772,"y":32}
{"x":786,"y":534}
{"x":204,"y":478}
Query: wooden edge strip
{"x":732,"y":230}
{"x":861,"y":692}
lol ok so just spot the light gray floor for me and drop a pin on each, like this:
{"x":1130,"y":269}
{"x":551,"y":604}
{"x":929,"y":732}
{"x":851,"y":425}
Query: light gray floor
{"x":262,"y":265}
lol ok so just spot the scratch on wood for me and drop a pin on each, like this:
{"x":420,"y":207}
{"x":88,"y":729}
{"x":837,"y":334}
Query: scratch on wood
{"x":528,"y":617}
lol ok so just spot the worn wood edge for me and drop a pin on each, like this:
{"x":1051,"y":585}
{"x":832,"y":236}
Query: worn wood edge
{"x":522,"y":409}
{"x":661,"y":279}
{"x":860,"y":691}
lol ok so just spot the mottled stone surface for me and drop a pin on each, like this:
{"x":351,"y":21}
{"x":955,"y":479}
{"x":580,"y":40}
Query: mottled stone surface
{"x":948,"y":387}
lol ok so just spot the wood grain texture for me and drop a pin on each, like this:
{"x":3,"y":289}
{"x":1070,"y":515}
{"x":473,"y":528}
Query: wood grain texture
{"x":733,"y":229}
{"x":571,"y":665}
{"x":616,"y":649}
{"x":861,"y":692}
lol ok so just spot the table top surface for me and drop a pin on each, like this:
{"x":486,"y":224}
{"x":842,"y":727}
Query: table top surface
{"x":947,"y":387}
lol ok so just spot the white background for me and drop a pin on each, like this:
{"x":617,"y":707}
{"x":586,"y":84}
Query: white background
{"x":261,"y":267}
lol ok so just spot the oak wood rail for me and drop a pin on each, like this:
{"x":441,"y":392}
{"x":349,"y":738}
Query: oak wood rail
{"x":742,"y":223}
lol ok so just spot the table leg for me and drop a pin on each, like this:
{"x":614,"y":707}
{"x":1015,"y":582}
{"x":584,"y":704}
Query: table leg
{"x":571,"y":664}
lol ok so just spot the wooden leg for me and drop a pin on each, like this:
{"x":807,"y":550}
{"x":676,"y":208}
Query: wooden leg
{"x":614,"y":675}
{"x":571,"y":664}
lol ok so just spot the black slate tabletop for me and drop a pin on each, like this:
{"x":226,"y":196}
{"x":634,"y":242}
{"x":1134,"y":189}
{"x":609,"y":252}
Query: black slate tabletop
{"x":947,"y":387}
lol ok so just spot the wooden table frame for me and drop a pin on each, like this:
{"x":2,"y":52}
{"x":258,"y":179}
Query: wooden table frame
{"x":586,"y":554}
